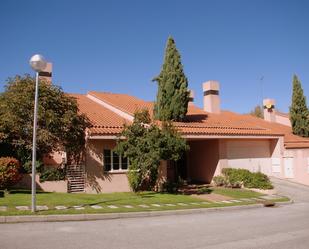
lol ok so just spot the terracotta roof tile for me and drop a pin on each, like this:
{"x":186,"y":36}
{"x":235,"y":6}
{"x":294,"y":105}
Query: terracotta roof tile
{"x":123,"y":102}
{"x":103,"y":120}
{"x":197,"y":122}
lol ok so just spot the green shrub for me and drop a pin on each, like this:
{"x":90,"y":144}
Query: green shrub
{"x":135,"y":180}
{"x":27,"y":167}
{"x":52,"y":174}
{"x":203,"y":190}
{"x":258,"y":180}
{"x":170,"y":187}
{"x":242,"y":177}
{"x":9,"y":172}
{"x":219,"y":181}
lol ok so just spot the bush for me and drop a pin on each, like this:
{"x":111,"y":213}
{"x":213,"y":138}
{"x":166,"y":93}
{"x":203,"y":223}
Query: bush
{"x":203,"y":190}
{"x":27,"y":167}
{"x":170,"y":187}
{"x":52,"y":174}
{"x":259,"y":180}
{"x":219,"y":181}
{"x":9,"y":172}
{"x":242,"y":177}
{"x":135,"y":180}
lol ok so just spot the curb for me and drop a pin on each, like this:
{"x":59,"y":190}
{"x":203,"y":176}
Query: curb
{"x":91,"y":217}
{"x":284,"y":203}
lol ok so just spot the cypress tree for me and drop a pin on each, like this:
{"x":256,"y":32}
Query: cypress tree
{"x":173,"y":95}
{"x":299,"y":114}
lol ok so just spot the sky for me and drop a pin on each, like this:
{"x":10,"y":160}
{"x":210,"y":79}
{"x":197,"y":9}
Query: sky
{"x":252,"y":48}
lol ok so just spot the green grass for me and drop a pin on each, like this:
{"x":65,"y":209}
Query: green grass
{"x":236,"y":193}
{"x":23,"y":198}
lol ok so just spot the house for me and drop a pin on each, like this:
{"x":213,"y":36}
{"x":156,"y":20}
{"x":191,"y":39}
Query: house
{"x":217,"y":139}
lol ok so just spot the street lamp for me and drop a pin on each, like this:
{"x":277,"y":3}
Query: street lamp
{"x":38,"y":64}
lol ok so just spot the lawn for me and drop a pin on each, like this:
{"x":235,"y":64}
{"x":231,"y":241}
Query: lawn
{"x":236,"y":193}
{"x":23,"y":198}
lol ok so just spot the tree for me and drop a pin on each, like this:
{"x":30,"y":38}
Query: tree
{"x":9,"y":172}
{"x":299,"y":114}
{"x":60,"y":126}
{"x":145,"y":144}
{"x":257,"y":112}
{"x":173,"y":95}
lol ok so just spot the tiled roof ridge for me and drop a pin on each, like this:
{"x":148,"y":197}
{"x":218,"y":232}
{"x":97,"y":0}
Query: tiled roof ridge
{"x":107,"y":126}
{"x":112,"y":104}
{"x":283,"y":114}
{"x":222,"y":127}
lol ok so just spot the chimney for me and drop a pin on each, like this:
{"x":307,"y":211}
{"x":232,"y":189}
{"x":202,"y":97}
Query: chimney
{"x":191,"y":97}
{"x":46,"y":75}
{"x":211,"y":96}
{"x":269,"y":110}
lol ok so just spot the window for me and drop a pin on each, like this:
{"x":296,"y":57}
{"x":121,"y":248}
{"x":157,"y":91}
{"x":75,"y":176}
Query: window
{"x":114,"y":162}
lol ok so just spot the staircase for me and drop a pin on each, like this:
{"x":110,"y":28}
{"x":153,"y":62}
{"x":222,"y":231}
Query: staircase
{"x":76,"y":178}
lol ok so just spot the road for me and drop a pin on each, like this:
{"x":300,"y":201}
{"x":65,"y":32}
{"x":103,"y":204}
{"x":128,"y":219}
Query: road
{"x":271,"y":228}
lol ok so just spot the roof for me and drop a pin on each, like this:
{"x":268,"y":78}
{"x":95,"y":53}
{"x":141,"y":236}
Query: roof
{"x":197,"y":122}
{"x":103,"y":121}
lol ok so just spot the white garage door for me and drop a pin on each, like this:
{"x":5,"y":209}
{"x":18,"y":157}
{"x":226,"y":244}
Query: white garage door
{"x":253,"y":155}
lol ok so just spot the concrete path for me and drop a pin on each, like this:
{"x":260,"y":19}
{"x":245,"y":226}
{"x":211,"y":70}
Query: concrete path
{"x":295,"y":191}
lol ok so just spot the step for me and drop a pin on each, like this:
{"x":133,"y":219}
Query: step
{"x":77,"y":187}
{"x":80,"y":188}
{"x":76,"y":191}
{"x":76,"y":182}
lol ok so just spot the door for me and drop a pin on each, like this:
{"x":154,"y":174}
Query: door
{"x":288,"y":167}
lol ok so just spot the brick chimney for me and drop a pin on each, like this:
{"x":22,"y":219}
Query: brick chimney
{"x":191,"y":97}
{"x":269,"y":110}
{"x":211,"y":96}
{"x":46,"y":75}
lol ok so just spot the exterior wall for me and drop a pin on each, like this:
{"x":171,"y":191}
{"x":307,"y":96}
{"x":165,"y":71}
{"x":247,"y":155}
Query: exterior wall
{"x":202,"y":160}
{"x":277,"y":148}
{"x":282,"y":120}
{"x":252,"y":154}
{"x":300,"y":165}
{"x":48,"y":186}
{"x":53,"y":159}
{"x":96,"y":179}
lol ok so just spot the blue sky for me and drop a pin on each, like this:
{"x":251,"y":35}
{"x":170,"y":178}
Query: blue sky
{"x":118,"y":46}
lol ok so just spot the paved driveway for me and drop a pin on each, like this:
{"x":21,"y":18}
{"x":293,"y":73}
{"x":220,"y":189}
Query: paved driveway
{"x":295,"y":191}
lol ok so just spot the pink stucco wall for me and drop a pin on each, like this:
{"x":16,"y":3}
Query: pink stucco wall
{"x":282,"y":120}
{"x":96,"y":179}
{"x":48,"y":186}
{"x":55,"y":158}
{"x":300,"y":165}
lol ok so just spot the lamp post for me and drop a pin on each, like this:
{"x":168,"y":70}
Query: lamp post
{"x":38,"y":63}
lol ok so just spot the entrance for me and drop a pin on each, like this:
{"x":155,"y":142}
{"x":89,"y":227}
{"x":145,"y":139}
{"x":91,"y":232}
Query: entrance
{"x":176,"y":170}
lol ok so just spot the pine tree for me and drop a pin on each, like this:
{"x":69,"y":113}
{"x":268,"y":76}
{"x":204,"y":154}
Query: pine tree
{"x":257,"y":112}
{"x":173,"y":95}
{"x":299,"y":113}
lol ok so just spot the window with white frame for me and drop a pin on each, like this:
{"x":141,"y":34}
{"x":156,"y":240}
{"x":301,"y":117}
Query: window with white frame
{"x":114,"y":162}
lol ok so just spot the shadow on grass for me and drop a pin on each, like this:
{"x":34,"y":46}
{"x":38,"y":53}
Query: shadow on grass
{"x":26,"y":191}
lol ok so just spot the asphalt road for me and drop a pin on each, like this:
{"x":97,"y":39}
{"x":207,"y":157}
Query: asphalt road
{"x":279,"y":227}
